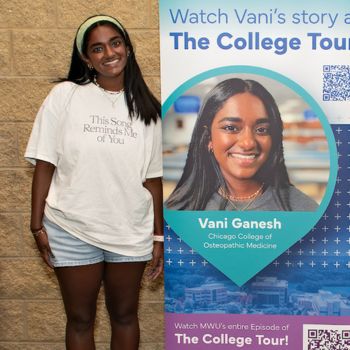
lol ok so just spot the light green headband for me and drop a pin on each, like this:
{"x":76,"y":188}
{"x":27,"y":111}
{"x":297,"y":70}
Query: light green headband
{"x":88,"y":23}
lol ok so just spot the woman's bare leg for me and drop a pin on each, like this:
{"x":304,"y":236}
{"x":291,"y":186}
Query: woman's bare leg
{"x":79,"y":287}
{"x":122,"y":286}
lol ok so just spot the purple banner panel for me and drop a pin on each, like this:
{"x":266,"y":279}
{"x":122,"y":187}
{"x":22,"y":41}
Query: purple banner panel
{"x":252,"y":332}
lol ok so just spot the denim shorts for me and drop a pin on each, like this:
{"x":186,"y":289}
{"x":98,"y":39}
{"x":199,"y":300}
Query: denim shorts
{"x":71,"y":251}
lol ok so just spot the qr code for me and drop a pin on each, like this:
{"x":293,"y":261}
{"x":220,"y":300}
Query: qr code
{"x":336,"y":83}
{"x":326,"y":337}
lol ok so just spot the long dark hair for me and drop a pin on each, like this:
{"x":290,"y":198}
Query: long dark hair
{"x":202,"y":176}
{"x":139,"y":99}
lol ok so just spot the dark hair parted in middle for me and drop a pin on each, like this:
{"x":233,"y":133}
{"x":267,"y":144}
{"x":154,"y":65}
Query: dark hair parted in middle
{"x":202,"y":176}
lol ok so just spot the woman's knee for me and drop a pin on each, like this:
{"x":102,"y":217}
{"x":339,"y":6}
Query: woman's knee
{"x":124,"y":319}
{"x":81,"y":321}
{"x":122,"y":315}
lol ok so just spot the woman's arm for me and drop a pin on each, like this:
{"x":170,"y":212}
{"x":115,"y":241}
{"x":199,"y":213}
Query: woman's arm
{"x":40,"y":187}
{"x":155,"y":187}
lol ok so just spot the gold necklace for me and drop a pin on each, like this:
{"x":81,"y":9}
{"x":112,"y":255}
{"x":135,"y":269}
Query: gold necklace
{"x":230,"y":198}
{"x":108,"y":94}
{"x":226,"y":195}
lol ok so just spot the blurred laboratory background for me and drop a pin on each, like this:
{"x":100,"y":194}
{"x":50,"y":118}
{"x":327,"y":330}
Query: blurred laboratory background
{"x":305,"y":145}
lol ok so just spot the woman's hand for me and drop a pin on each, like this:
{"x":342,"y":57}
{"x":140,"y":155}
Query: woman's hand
{"x":43,"y":245}
{"x":154,"y":186}
{"x":157,"y":261}
{"x":40,"y":187}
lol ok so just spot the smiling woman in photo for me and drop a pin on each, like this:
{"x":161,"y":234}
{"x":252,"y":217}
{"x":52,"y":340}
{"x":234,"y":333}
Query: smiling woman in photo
{"x":235,"y":159}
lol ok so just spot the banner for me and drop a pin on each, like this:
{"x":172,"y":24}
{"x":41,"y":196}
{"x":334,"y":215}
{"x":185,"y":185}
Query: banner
{"x":255,"y":107}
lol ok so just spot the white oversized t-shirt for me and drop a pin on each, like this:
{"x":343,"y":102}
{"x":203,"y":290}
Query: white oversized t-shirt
{"x":102,"y":157}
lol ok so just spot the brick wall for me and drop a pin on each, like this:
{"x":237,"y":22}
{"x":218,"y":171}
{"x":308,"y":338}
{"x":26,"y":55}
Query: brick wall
{"x":35,"y":46}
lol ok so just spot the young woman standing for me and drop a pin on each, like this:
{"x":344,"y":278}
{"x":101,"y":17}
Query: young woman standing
{"x":97,"y":190}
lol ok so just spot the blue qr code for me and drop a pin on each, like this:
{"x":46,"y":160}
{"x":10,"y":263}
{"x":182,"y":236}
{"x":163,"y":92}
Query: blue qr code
{"x":336,"y":83}
{"x":326,"y":337}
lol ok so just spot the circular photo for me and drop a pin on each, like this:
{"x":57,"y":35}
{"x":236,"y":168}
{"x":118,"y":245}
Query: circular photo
{"x":244,"y":142}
